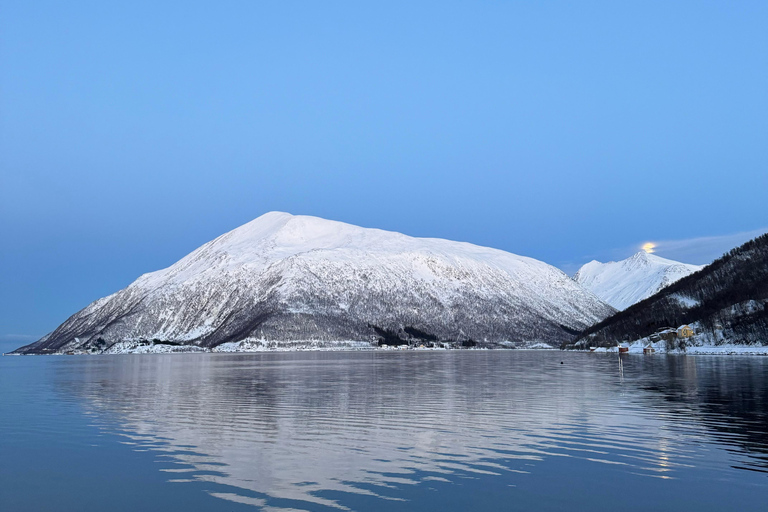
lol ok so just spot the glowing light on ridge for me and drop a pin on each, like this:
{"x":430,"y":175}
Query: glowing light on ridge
{"x":648,"y":247}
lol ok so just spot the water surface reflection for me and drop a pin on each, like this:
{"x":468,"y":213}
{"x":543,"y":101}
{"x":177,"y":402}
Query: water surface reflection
{"x":319,"y":431}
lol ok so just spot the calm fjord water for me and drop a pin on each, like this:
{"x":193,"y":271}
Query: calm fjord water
{"x":390,"y":431}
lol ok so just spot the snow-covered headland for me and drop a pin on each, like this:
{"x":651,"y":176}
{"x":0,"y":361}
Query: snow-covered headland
{"x":703,"y":341}
{"x":702,"y":350}
{"x":253,"y":345}
{"x":638,"y":347}
{"x":288,"y":279}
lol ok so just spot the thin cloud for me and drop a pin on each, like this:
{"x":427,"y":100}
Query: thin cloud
{"x":703,"y":250}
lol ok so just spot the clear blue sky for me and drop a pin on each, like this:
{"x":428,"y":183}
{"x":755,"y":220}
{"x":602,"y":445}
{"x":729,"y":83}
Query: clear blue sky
{"x":566,"y":131}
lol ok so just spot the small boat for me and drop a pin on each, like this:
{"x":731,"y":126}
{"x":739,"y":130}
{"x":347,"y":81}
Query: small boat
{"x":592,"y":349}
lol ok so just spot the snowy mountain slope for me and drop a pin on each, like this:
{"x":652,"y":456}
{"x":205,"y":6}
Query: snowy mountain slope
{"x":626,"y":282}
{"x":286,"y":278}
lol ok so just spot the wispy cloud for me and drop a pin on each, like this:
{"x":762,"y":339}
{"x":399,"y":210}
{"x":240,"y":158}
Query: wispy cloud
{"x":705,"y":249}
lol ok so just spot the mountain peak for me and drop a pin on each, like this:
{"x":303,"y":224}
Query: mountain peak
{"x":623,"y":283}
{"x":643,"y":258}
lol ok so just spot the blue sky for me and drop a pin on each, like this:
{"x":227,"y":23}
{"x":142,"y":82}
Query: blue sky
{"x":131,"y":134}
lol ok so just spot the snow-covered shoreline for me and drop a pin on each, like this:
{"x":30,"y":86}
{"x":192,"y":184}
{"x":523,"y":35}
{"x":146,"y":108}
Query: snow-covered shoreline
{"x":260,"y":346}
{"x":703,"y":350}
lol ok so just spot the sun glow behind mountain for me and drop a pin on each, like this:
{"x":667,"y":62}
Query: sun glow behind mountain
{"x":649,"y":247}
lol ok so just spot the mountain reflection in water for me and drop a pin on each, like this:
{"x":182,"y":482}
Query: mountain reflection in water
{"x":319,"y":431}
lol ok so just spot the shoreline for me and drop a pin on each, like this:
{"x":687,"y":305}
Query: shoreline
{"x":724,"y":350}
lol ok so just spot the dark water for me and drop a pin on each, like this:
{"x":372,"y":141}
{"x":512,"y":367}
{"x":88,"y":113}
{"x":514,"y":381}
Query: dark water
{"x":390,"y":431}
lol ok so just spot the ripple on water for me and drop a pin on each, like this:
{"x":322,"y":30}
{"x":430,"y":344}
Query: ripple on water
{"x":323,"y":430}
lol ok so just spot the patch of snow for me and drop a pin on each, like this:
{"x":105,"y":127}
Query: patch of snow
{"x":132,"y":347}
{"x":728,"y":349}
{"x":258,"y":345}
{"x":540,"y":346}
{"x":685,"y":301}
{"x":704,"y":342}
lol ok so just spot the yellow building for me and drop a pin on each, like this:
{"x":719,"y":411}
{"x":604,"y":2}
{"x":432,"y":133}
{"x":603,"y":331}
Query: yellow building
{"x":684,"y":331}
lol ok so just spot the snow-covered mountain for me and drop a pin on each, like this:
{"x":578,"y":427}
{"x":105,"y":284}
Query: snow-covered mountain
{"x":282,"y":278}
{"x":626,"y":282}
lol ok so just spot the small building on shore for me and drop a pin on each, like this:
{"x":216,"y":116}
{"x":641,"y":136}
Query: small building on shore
{"x":685,"y":331}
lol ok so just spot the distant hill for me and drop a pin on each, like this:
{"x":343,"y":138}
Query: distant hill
{"x":626,"y":282}
{"x":725,"y":300}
